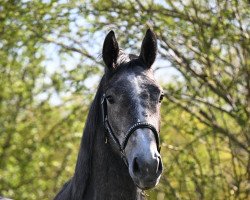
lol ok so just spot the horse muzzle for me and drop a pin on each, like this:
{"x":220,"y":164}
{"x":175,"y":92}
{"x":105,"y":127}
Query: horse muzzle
{"x":144,"y":160}
{"x":146,"y":173}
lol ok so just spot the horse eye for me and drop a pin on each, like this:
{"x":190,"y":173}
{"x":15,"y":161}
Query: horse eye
{"x":161,"y":97}
{"x":110,"y":99}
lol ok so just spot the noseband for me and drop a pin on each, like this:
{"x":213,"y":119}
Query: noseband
{"x":130,"y":131}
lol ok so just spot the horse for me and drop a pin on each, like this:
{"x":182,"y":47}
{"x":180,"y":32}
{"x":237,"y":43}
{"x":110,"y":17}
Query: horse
{"x":119,"y":155}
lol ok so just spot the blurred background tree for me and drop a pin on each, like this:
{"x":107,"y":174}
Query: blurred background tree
{"x":50,"y":65}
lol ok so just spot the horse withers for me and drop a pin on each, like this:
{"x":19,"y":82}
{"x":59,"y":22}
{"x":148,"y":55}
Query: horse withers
{"x":119,"y":153}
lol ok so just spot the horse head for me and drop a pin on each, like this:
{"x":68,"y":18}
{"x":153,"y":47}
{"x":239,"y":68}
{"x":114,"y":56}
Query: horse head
{"x":131,"y":108}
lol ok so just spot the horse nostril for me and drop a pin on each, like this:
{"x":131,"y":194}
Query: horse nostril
{"x":147,"y":168}
{"x":159,"y":167}
{"x":136,"y":168}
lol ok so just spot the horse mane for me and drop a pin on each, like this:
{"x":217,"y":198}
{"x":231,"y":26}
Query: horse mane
{"x":74,"y":188}
{"x":127,"y":60}
{"x":124,"y":61}
{"x":84,"y":160}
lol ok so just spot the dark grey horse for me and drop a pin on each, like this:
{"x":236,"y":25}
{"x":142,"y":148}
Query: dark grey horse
{"x":119,"y":154}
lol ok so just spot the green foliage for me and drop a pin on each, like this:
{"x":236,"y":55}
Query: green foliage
{"x":39,"y":139}
{"x":49,"y":54}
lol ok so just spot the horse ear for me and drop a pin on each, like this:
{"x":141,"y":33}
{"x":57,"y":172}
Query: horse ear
{"x":148,"y":48}
{"x":110,"y":51}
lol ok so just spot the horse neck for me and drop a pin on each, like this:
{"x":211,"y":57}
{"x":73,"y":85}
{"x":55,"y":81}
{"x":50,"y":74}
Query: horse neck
{"x":109,"y":177}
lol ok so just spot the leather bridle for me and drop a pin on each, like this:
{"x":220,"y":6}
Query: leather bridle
{"x":130,"y":131}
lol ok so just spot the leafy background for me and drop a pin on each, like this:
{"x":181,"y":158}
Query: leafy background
{"x":50,"y":65}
